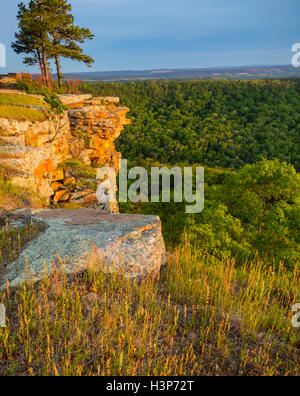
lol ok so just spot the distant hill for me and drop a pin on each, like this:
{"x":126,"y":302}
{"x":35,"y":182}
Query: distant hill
{"x":234,"y":73}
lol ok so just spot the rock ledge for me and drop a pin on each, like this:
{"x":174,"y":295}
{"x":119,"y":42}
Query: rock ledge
{"x":132,"y":244}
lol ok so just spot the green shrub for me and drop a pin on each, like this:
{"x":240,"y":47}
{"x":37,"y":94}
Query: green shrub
{"x":50,"y":95}
{"x":79,"y":168}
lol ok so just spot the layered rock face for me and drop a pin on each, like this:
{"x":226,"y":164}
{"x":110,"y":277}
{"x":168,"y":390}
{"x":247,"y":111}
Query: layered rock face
{"x":94,"y":130}
{"x":34,"y":150}
{"x":86,"y":132}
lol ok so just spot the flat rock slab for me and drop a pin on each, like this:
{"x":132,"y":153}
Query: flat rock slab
{"x":76,"y":239}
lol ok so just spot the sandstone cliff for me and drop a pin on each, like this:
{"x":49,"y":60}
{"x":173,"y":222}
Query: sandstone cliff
{"x":41,"y":153}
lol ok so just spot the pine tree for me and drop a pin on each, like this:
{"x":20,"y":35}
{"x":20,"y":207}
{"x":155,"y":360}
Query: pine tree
{"x":65,"y":36}
{"x":47,"y":31}
{"x":32,"y":36}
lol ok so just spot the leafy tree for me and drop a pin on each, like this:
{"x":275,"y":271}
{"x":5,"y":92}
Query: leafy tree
{"x":217,"y":233}
{"x":253,"y":212}
{"x":225,"y":124}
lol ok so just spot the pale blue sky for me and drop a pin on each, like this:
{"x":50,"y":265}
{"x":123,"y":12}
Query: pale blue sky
{"x":147,"y":34}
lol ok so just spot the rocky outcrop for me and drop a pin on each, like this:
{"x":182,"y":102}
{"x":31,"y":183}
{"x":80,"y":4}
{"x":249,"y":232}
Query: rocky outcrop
{"x":35,"y":149}
{"x":85,"y":132}
{"x":94,"y":130}
{"x":75,"y":100}
{"x":131,"y":244}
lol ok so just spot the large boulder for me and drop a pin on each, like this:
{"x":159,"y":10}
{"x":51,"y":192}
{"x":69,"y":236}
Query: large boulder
{"x":132,"y":244}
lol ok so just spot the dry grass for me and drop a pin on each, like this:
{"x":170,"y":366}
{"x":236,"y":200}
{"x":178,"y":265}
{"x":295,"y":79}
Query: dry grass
{"x":202,"y":317}
{"x":13,"y":241}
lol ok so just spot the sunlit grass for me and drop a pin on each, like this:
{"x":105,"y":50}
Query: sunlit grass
{"x":22,"y":113}
{"x":12,"y":241}
{"x":22,"y":100}
{"x":202,"y":317}
{"x":15,"y":197}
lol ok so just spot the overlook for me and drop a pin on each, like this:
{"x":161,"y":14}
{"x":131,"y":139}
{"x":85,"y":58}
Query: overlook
{"x":149,"y":218}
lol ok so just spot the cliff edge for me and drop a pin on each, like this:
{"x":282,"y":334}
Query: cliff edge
{"x":57,"y":156}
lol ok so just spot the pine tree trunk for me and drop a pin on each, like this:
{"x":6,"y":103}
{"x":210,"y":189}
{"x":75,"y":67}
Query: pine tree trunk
{"x":42,"y":69}
{"x":59,"y":75}
{"x":43,"y":53}
{"x":46,"y":71}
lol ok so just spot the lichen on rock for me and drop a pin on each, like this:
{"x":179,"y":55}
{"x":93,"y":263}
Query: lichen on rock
{"x":75,"y":240}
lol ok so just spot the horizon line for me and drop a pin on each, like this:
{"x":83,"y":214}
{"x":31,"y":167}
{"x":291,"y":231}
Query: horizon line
{"x":170,"y":69}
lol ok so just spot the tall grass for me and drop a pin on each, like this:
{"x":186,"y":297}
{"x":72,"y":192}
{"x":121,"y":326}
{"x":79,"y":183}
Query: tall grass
{"x":202,"y":317}
{"x":13,"y":241}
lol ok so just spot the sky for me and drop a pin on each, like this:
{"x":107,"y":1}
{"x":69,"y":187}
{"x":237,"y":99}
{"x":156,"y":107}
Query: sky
{"x":162,"y":34}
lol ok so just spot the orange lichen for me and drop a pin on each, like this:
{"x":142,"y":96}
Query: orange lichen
{"x":62,"y":195}
{"x":43,"y":169}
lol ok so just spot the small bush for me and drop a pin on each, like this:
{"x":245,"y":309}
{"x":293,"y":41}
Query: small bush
{"x":203,"y":317}
{"x":79,"y":168}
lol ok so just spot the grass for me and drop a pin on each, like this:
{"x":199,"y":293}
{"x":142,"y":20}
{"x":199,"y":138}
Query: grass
{"x":13,"y":197}
{"x":22,"y":114}
{"x":13,"y":241}
{"x":20,"y":100}
{"x":202,"y":317}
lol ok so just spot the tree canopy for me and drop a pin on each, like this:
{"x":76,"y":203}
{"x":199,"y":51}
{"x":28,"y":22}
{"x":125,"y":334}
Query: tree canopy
{"x":223,"y":124}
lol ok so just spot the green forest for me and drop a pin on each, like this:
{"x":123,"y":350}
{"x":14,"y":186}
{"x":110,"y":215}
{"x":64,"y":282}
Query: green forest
{"x":223,"y":124}
{"x":247,"y":136}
